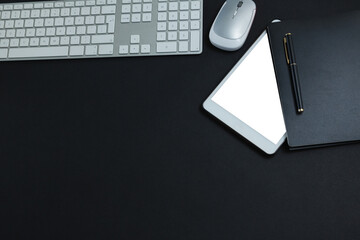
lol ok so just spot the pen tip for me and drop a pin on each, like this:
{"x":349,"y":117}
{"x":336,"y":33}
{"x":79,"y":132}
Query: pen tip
{"x":300,"y":110}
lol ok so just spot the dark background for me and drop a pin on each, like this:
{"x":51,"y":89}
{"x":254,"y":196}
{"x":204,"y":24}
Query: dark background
{"x":121,"y":149}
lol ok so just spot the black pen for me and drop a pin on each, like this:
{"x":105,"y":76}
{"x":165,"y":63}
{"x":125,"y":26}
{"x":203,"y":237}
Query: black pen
{"x":291,"y":61}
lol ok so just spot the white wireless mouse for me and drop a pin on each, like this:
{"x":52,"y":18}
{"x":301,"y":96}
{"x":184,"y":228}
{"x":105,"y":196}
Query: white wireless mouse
{"x":232,"y":24}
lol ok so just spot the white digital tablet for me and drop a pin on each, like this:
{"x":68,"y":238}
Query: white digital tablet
{"x":247,"y":100}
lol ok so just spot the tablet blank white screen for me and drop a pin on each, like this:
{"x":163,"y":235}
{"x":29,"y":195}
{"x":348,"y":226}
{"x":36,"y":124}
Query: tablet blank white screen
{"x":251,"y":93}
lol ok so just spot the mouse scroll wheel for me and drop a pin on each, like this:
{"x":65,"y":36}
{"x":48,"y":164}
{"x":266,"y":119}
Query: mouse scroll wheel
{"x":238,"y":6}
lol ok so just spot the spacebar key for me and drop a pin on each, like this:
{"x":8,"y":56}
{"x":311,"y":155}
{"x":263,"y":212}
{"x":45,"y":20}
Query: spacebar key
{"x":38,"y":52}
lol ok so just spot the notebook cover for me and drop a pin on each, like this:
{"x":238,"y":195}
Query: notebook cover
{"x":328,"y":59}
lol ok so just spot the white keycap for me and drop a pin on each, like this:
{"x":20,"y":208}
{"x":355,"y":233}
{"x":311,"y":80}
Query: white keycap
{"x":14,"y":42}
{"x":108,"y":10}
{"x":161,"y":36}
{"x":38,"y":52}
{"x":195,"y":25}
{"x":184,"y":15}
{"x":125,"y":8}
{"x":134,"y":49}
{"x":125,"y":18}
{"x":136,"y":8}
{"x":173,"y":6}
{"x":183,"y":35}
{"x":40,"y":32}
{"x":147,"y":7}
{"x":145,"y":48}
{"x":90,"y":3}
{"x":60,"y":31}
{"x":3,"y":53}
{"x":184,"y":5}
{"x":24,"y":42}
{"x":76,"y":50}
{"x":172,"y":36}
{"x":173,"y":16}
{"x":85,"y":39}
{"x":102,"y":39}
{"x":135,"y":17}
{"x":161,"y":26}
{"x":195,"y":15}
{"x":85,"y":11}
{"x":195,"y":5}
{"x":89,"y":20}
{"x":106,"y":49}
{"x":101,"y":28}
{"x":54,"y":41}
{"x":162,"y":16}
{"x":194,"y":41}
{"x":91,"y":50}
{"x":110,"y":20}
{"x":25,"y":14}
{"x":134,"y":38}
{"x":184,"y":25}
{"x":74,"y":40}
{"x":173,"y":26}
{"x":59,"y":21}
{"x":95,"y":10}
{"x":100,"y":19}
{"x":44,"y":41}
{"x":64,"y":40}
{"x":166,"y":47}
{"x":123,"y":49}
{"x":20,"y":33}
{"x":146,"y":17}
{"x":183,"y":46}
{"x":162,"y":7}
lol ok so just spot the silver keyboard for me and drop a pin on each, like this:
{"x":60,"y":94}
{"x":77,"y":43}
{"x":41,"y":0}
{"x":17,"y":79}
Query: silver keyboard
{"x":100,"y":28}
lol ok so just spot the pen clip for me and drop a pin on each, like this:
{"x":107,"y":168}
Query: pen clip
{"x":286,"y":51}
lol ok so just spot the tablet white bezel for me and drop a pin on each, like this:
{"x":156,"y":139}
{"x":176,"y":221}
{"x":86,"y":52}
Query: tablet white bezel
{"x":233,"y":122}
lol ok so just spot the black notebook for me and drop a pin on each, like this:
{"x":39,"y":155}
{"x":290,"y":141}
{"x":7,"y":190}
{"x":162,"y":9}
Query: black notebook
{"x":328,"y":60}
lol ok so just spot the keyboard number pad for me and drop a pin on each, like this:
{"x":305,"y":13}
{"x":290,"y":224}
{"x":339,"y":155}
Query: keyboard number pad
{"x":136,"y":11}
{"x":178,"y":26}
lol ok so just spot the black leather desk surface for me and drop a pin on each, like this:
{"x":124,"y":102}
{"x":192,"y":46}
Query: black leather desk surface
{"x":121,"y":149}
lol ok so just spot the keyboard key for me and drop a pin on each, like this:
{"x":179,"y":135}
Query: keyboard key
{"x":76,"y":50}
{"x":173,"y":6}
{"x":125,"y":18}
{"x":183,"y":46}
{"x":195,"y":15}
{"x":102,"y":39}
{"x":91,"y":50}
{"x":123,"y":49}
{"x":134,"y":49}
{"x":194,"y":41}
{"x":14,"y":42}
{"x":161,"y":26}
{"x":106,"y":49}
{"x":146,"y":17}
{"x":44,"y":41}
{"x":3,"y":53}
{"x":195,"y":25}
{"x":135,"y":17}
{"x":166,"y":47}
{"x":135,"y":39}
{"x":184,"y":5}
{"x":195,"y":5}
{"x":161,"y":36}
{"x":147,"y":7}
{"x":38,"y":52}
{"x":108,"y":10}
{"x":145,"y":48}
